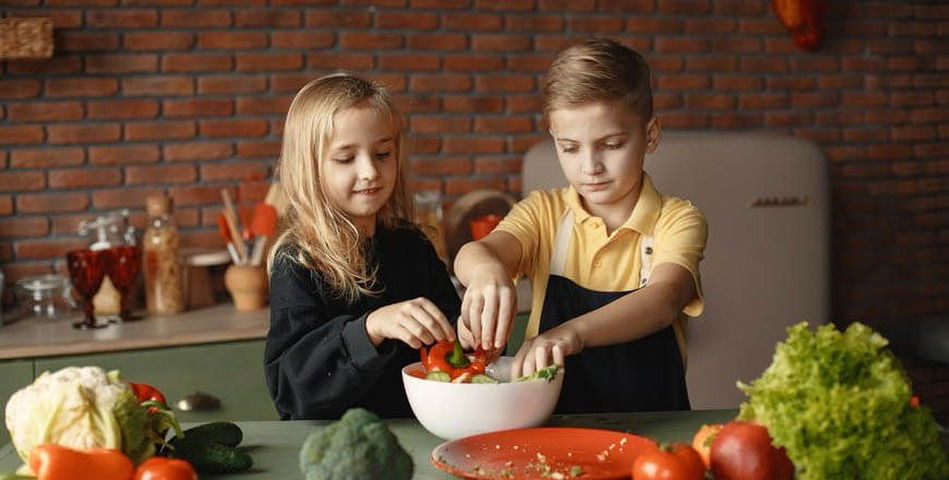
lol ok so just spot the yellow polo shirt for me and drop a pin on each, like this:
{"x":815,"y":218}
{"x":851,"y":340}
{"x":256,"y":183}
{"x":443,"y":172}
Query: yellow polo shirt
{"x":601,"y":262}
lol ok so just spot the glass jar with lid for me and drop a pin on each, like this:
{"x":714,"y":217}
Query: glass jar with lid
{"x":46,"y":295}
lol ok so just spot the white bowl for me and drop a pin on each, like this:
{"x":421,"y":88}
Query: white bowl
{"x":456,"y":410}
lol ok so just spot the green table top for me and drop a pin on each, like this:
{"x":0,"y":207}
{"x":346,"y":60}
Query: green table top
{"x":275,"y":445}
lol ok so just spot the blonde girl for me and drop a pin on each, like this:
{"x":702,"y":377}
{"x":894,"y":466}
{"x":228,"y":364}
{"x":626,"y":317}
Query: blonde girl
{"x":355,"y":287}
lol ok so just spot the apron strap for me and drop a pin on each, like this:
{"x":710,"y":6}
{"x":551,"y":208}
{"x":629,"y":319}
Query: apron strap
{"x":558,"y":257}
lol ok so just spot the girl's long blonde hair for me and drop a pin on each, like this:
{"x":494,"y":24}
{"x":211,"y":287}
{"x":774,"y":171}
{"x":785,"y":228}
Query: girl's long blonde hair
{"x":326,"y":238}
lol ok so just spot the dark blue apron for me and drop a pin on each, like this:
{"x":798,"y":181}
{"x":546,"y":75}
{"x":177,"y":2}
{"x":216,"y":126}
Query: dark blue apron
{"x":643,"y":375}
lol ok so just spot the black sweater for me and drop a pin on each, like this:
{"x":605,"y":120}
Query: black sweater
{"x":319,"y":360}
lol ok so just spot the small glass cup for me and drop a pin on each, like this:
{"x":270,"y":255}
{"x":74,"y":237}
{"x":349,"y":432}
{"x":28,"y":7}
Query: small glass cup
{"x":123,"y":265}
{"x":87,"y":268}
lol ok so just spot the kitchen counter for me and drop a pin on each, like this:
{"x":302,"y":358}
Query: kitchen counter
{"x":275,"y":446}
{"x":45,"y":337}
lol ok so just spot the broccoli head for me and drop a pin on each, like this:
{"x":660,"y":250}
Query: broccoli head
{"x":358,"y":446}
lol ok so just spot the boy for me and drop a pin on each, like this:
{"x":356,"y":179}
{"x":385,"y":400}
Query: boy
{"x":612,"y":261}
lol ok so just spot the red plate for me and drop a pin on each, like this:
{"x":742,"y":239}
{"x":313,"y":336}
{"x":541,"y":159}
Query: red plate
{"x":538,"y":453}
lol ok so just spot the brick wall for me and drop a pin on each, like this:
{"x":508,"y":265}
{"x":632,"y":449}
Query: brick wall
{"x":187,"y":96}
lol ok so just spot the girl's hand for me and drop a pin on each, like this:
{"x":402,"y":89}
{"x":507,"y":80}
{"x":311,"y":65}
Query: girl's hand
{"x":550,"y":347}
{"x":416,"y":322}
{"x":488,"y":307}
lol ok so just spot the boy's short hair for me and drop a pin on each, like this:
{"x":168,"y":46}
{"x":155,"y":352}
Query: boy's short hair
{"x":595,"y":70}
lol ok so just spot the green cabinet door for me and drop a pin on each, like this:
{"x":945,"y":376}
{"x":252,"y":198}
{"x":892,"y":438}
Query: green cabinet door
{"x":14,"y":375}
{"x":233,"y":372}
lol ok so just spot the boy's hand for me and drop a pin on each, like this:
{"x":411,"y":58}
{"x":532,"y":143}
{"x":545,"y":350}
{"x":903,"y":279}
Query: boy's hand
{"x":550,"y":347}
{"x":488,"y":307}
{"x":416,"y":322}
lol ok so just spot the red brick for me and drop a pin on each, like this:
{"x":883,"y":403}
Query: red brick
{"x":506,"y":124}
{"x":791,"y":83}
{"x":121,"y":198}
{"x":685,"y":120}
{"x":760,"y":26}
{"x":335,"y":61}
{"x":83,"y":133}
{"x":737,"y":120}
{"x":473,"y":63}
{"x":264,"y":105}
{"x":86,"y":41}
{"x":597,"y":24}
{"x":482,"y":22}
{"x":196,"y":63}
{"x":264,"y":18}
{"x":338,"y":18}
{"x":524,"y":104}
{"x":434,"y":4}
{"x":123,"y":154}
{"x":157,"y":41}
{"x":81,"y":87}
{"x":47,"y":248}
{"x":258,"y":149}
{"x":736,"y":44}
{"x":499,"y":42}
{"x":442,"y":166}
{"x":439,"y":124}
{"x":62,"y":18}
{"x":406,"y":20}
{"x":289,"y":82}
{"x":441,"y":82}
{"x":480,"y":103}
{"x":121,"y":63}
{"x":60,"y":64}
{"x":663,"y":101}
{"x":501,"y":164}
{"x":231,"y":84}
{"x":409,"y":62}
{"x":913,"y":133}
{"x":789,"y":118}
{"x":653,"y":24}
{"x":437,"y":41}
{"x":234,"y":128}
{"x":712,"y":26}
{"x":158,"y":85}
{"x":228,"y":3}
{"x":233,"y":171}
{"x":21,"y":135}
{"x":302,"y":39}
{"x":681,"y":45}
{"x":528,"y":63}
{"x":934,"y":115}
{"x":665,"y":63}
{"x":203,"y":18}
{"x":22,"y":181}
{"x":815,"y":64}
{"x":505,"y":5}
{"x":815,"y":100}
{"x":44,"y":112}
{"x":313,"y":3}
{"x":369,"y":40}
{"x":764,"y":65}
{"x":81,"y":3}
{"x":462,"y":185}
{"x":762,"y":101}
{"x":868,"y":99}
{"x":267,"y":62}
{"x":195,"y":195}
{"x":138,"y":131}
{"x":50,"y":203}
{"x":626,"y":6}
{"x":74,"y":178}
{"x":393,"y":82}
{"x":710,"y":102}
{"x":160,"y":174}
{"x":232,"y":40}
{"x":505,"y":83}
{"x":19,"y":88}
{"x":98,"y":109}
{"x":198,"y":107}
{"x":189,"y":152}
{"x":122,"y":19}
{"x":24,"y":227}
{"x":681,"y":82}
{"x":6,"y":204}
{"x":479,"y":144}
{"x":718,"y":63}
{"x":46,"y":157}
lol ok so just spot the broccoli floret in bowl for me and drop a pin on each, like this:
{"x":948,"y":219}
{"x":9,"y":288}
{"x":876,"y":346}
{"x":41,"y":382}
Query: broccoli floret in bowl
{"x":358,"y":446}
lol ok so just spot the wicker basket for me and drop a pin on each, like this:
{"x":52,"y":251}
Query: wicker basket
{"x":26,"y":38}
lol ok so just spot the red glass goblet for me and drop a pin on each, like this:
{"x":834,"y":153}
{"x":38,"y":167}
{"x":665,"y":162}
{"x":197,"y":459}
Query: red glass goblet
{"x":124,"y":263}
{"x":86,"y":270}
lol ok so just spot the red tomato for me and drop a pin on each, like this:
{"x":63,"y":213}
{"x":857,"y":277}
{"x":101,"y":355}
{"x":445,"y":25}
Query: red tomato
{"x":158,"y":468}
{"x":702,"y":441}
{"x":675,"y":462}
{"x":743,"y":451}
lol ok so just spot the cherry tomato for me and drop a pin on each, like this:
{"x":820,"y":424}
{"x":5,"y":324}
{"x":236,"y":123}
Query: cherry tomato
{"x":674,"y":462}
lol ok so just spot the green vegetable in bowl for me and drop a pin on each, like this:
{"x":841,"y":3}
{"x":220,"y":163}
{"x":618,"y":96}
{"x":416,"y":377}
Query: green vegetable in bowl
{"x":547,"y":373}
{"x":359,"y":446}
{"x":839,"y":403}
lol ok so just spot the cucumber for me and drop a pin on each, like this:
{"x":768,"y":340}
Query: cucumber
{"x":482,"y":378}
{"x":438,"y":377}
{"x":225,"y":433}
{"x":213,"y":457}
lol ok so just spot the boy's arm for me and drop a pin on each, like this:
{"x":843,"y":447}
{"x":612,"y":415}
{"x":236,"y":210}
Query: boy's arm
{"x":486,"y":267}
{"x":632,"y":316}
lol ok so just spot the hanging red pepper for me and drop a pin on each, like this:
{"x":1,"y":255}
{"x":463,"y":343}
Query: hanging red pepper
{"x":160,"y":468}
{"x":804,"y":19}
{"x":55,"y":462}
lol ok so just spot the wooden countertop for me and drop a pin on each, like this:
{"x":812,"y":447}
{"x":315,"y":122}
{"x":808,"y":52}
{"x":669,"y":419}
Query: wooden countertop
{"x":45,"y":337}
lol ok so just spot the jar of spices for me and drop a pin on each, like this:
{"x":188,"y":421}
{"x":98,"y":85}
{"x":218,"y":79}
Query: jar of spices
{"x":162,"y":267}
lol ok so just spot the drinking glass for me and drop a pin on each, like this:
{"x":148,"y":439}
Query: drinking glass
{"x":123,"y":264}
{"x":87,"y":268}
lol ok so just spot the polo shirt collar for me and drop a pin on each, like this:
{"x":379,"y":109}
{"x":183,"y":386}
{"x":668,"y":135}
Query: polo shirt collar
{"x":644,"y":216}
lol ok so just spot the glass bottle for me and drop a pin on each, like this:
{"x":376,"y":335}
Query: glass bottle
{"x":162,"y":266}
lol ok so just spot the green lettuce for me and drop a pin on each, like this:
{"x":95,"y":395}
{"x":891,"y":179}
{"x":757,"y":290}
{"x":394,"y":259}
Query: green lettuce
{"x":839,"y":403}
